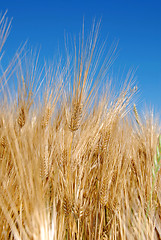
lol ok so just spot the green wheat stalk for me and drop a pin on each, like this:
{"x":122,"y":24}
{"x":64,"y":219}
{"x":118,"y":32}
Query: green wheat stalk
{"x":155,"y":170}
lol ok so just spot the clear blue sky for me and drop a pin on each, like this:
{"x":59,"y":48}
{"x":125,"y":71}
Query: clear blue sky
{"x":136,"y":24}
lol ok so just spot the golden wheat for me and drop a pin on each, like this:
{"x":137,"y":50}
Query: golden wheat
{"x":73,"y":168}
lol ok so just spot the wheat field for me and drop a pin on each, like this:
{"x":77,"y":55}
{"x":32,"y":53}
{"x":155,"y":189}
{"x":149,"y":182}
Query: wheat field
{"x":74,"y":163}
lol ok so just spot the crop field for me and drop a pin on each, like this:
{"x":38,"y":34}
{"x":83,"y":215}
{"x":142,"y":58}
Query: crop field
{"x":76,"y":162}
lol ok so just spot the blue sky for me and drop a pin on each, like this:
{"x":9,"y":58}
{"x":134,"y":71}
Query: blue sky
{"x":135,"y":24}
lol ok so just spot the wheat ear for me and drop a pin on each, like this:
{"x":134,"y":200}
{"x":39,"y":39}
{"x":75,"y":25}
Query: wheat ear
{"x":136,"y":114}
{"x":22,"y":117}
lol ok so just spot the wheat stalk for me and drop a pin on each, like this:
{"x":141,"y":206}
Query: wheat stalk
{"x":155,"y":170}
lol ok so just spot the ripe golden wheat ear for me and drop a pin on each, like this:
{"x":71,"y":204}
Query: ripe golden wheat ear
{"x":46,"y":117}
{"x":22,"y":117}
{"x":75,"y":117}
{"x":3,"y":142}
